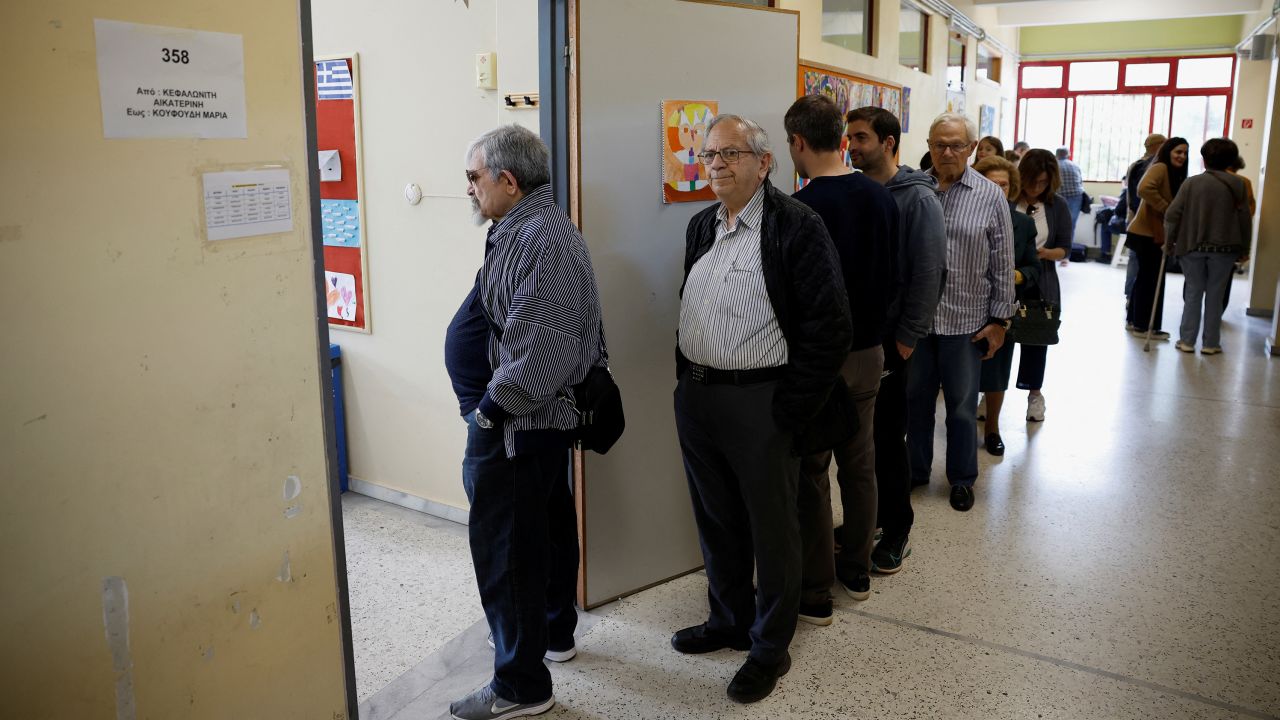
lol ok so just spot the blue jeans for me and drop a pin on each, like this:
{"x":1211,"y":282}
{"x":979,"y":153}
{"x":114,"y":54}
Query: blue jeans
{"x":954,"y":364}
{"x":1205,"y":280}
{"x":524,"y":546}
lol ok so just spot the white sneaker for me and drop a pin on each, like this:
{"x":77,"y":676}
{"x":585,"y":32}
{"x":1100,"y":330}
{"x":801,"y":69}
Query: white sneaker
{"x":552,"y":655}
{"x":1035,"y":408}
{"x":982,"y":407}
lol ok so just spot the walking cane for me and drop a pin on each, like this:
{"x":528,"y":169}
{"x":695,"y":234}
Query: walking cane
{"x":1155,"y":303}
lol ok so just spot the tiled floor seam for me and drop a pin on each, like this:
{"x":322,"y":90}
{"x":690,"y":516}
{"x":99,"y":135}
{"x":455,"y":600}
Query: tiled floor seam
{"x":1229,"y":707}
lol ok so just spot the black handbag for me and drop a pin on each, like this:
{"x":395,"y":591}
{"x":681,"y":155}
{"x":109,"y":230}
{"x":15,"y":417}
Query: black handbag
{"x":597,"y":400}
{"x":834,"y":425}
{"x":1036,"y":322}
{"x":600,"y":417}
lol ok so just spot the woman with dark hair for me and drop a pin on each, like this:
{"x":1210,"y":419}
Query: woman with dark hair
{"x":1146,"y":236}
{"x":1208,"y":225}
{"x":988,"y":146}
{"x":1026,"y":268}
{"x":1040,"y":200}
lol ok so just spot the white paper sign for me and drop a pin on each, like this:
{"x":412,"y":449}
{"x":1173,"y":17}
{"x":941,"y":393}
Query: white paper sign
{"x":159,"y":82}
{"x":251,"y":202}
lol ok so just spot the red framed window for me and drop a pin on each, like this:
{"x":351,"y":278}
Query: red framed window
{"x":1103,"y":109}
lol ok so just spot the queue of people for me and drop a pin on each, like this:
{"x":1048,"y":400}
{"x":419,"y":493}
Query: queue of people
{"x":1206,"y":224}
{"x":813,"y":327}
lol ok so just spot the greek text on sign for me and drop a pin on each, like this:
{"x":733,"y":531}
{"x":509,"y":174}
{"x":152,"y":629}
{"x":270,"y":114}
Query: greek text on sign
{"x":160,"y":82}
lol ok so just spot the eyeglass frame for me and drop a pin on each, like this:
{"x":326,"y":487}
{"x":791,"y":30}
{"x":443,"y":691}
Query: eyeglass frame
{"x":955,"y":149}
{"x":707,"y":157}
{"x":473,"y":175}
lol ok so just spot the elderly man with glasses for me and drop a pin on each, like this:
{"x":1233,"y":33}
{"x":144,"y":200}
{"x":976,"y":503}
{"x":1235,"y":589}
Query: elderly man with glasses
{"x":972,"y":316}
{"x":764,"y":330}
{"x":528,"y":331}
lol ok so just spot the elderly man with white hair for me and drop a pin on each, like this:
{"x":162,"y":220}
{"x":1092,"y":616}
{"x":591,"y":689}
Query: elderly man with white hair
{"x":972,"y":316}
{"x":764,"y":330}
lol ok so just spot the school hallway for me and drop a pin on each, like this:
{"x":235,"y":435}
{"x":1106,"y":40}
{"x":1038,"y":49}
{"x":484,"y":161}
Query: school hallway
{"x":1120,"y":561}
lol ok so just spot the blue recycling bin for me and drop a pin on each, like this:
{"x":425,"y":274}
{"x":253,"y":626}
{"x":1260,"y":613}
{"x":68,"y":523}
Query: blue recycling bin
{"x":339,"y":414}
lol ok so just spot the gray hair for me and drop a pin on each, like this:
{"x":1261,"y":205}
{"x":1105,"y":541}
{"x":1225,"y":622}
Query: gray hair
{"x":516,"y":149}
{"x":757,"y":138}
{"x":970,"y":130}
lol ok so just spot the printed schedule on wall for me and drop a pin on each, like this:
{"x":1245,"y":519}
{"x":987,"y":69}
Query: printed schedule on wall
{"x":246,"y":203}
{"x":160,"y":82}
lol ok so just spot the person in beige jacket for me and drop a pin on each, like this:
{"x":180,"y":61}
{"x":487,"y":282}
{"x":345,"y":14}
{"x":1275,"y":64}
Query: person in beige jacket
{"x":1145,"y":234}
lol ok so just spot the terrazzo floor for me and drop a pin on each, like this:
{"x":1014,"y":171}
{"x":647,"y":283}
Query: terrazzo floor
{"x":1122,"y":561}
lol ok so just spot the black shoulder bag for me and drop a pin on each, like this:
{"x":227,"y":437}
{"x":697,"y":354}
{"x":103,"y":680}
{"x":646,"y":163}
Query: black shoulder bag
{"x":597,"y":400}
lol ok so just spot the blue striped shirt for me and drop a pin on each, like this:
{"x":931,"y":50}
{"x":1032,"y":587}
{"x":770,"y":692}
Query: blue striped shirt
{"x":1072,"y":179}
{"x":975,"y":215}
{"x":726,"y":318}
{"x":538,"y":286}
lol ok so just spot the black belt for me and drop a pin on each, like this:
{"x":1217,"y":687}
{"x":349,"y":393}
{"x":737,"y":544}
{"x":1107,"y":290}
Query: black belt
{"x":712,"y":376}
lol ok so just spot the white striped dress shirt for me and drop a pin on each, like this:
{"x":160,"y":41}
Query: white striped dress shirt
{"x":979,"y":229}
{"x":726,"y":319}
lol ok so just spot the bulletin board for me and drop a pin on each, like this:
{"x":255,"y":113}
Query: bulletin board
{"x":849,"y":92}
{"x":341,"y":184}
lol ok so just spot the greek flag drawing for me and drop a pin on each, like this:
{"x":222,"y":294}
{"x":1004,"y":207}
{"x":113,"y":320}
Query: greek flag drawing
{"x":333,"y":80}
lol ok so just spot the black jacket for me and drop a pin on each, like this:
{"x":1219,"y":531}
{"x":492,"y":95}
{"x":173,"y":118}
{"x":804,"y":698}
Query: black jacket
{"x":802,"y":276}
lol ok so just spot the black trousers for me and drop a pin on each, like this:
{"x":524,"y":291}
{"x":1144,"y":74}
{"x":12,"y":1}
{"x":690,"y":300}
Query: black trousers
{"x":1144,"y":286}
{"x":742,"y":480}
{"x":893,"y":469}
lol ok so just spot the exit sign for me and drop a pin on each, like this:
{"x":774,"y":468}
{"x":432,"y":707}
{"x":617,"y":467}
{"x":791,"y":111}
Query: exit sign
{"x":1246,"y":123}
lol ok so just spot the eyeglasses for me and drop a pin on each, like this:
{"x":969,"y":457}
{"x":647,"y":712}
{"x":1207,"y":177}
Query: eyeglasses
{"x":729,"y":155}
{"x":956,"y":148}
{"x":474,"y":175}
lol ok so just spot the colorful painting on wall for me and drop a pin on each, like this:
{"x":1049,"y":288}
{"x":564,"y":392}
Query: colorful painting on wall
{"x":986,"y":120}
{"x":341,"y":208}
{"x":955,"y":102}
{"x":906,"y":109}
{"x":684,"y":129}
{"x":850,"y":92}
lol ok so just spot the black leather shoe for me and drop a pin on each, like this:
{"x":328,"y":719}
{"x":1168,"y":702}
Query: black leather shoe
{"x":961,"y":497}
{"x":755,"y":680}
{"x":698,"y":639}
{"x":995,"y":445}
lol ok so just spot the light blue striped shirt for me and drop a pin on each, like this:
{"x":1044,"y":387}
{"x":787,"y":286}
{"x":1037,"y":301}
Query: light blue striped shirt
{"x":726,"y":318}
{"x":979,"y":229}
{"x":1072,"y":181}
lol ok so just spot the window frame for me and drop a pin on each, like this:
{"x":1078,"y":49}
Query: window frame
{"x":925,"y":21}
{"x":870,"y":30}
{"x":1169,"y":90}
{"x":995,"y":62}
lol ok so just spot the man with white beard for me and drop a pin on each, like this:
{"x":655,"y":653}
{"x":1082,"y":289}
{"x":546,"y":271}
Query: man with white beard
{"x":529,"y":330}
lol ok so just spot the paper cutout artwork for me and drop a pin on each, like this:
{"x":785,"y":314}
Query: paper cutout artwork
{"x":340,"y":295}
{"x":684,"y":130}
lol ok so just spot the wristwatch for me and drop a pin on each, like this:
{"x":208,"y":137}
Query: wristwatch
{"x":483,"y":421}
{"x":1005,"y":323}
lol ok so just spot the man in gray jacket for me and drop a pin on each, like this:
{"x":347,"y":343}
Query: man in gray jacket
{"x":874,"y":134}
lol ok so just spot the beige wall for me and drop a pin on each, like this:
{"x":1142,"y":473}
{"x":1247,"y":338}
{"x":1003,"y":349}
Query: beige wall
{"x":157,"y":394}
{"x":928,"y":90}
{"x":420,"y":109}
